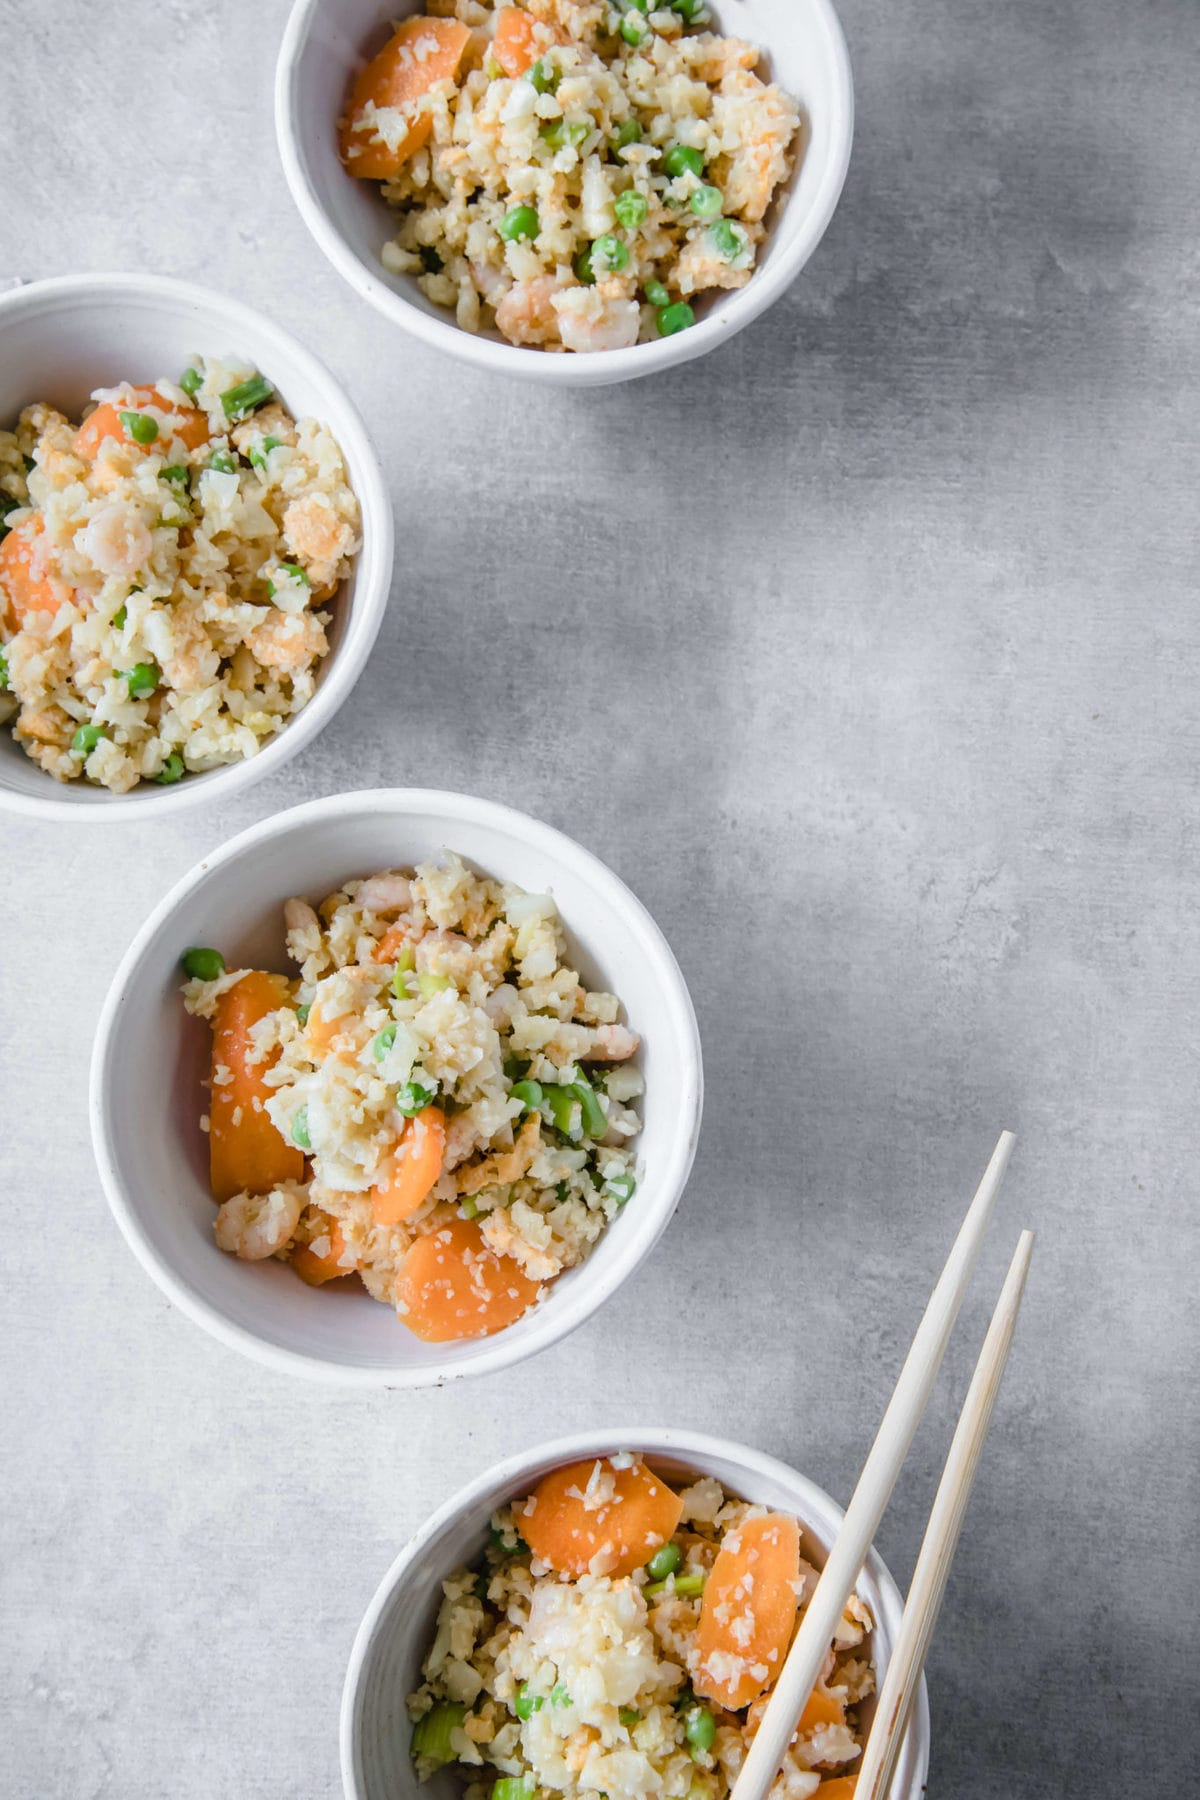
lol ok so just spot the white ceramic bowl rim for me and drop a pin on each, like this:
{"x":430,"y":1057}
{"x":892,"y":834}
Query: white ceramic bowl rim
{"x":503,"y":1481}
{"x":740,"y":308}
{"x":551,"y":1321}
{"x":373,"y":566}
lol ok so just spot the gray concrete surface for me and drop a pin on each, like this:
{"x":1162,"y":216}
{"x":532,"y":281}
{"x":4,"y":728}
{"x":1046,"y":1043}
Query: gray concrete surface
{"x":867,"y":652}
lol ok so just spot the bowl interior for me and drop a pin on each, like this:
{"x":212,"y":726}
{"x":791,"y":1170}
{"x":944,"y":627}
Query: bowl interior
{"x":155,"y":1058}
{"x":59,"y":343}
{"x":333,"y":38}
{"x":397,"y":1634}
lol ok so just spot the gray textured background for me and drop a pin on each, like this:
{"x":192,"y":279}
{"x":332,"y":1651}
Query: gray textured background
{"x":866,"y":651}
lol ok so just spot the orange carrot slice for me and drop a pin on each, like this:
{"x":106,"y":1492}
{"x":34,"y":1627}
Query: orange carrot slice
{"x":748,"y":1610}
{"x":23,"y":590}
{"x":188,"y":424}
{"x":315,"y":1269}
{"x":420,"y":54}
{"x":821,"y":1708}
{"x":842,"y":1787}
{"x":515,"y":46}
{"x":414,"y":1166}
{"x":393,"y":941}
{"x":623,"y":1517}
{"x":452,"y":1286}
{"x":246,"y":1152}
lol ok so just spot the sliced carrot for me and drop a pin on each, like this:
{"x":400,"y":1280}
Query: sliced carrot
{"x":748,"y":1610}
{"x":392,"y":943}
{"x":412,"y":1169}
{"x":842,"y":1787}
{"x":246,"y":1152}
{"x":317,"y":1269}
{"x":451,"y":1285}
{"x":516,"y":46}
{"x":821,"y":1708}
{"x":22,"y":590}
{"x":624,"y":1518}
{"x":186,"y":423}
{"x":421,"y":53}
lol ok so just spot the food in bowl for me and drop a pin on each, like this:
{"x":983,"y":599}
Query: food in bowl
{"x":165,"y":569}
{"x":436,"y":1104}
{"x":572,"y":173}
{"x":621,"y":1636}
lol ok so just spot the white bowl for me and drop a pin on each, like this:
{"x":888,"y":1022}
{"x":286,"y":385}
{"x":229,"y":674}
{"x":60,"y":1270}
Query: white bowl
{"x":150,"y":1059}
{"x":327,"y":42}
{"x":61,"y":339}
{"x":395,"y":1635}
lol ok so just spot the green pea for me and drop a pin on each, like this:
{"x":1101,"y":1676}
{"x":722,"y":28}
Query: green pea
{"x":628,"y":1715}
{"x":726,"y":240}
{"x":383,"y":1042}
{"x":300,"y":1135}
{"x":634,"y":29}
{"x":175,"y":473}
{"x":294,"y":572}
{"x":621,"y":1187}
{"x":302,"y":1012}
{"x":244,"y":397}
{"x":582,"y":265}
{"x":429,"y":984}
{"x":171,"y":771}
{"x":664,"y":1562}
{"x":202,"y":964}
{"x":529,"y":1093}
{"x":675,"y":318}
{"x":191,"y":381}
{"x":412,"y":1098}
{"x":544,"y":77}
{"x":700,"y":1728}
{"x":86,"y":739}
{"x":631,"y":209}
{"x":682,"y":159}
{"x":263,"y":449}
{"x":558,"y":132}
{"x":520,"y":222}
{"x":707,"y":202}
{"x":657,"y":294}
{"x":140,"y":427}
{"x":431,"y":262}
{"x":142,"y":679}
{"x":119,"y":618}
{"x":610,"y":254}
{"x":526,"y":1704}
{"x":690,"y":10}
{"x":223,"y":462}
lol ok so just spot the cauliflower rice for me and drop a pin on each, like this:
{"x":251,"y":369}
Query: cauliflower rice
{"x":435,"y":1003}
{"x":164,"y":573}
{"x":582,"y":173}
{"x":594,"y":1684}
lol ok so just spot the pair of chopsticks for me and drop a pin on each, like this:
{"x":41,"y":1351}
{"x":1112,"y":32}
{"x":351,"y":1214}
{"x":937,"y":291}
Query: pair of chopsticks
{"x":880,"y":1471}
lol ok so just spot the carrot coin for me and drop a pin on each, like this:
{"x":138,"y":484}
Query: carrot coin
{"x":412,"y":1169}
{"x":421,"y":53}
{"x":451,"y":1285}
{"x":246,"y":1152}
{"x":594,"y":1510}
{"x":315,"y":1268}
{"x":748,"y":1611}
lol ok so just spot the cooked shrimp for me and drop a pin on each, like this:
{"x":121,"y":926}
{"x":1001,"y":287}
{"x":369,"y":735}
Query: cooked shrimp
{"x":385,"y":893}
{"x":318,"y":538}
{"x":526,"y":314}
{"x":117,"y":540}
{"x":48,"y":726}
{"x":597,"y":318}
{"x":752,"y":173}
{"x":288,"y":642}
{"x":255,"y":1226}
{"x":446,"y":953}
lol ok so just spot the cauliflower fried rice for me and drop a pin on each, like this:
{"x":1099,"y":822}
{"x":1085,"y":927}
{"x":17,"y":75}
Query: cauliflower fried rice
{"x":450,"y":1107}
{"x":572,"y":173}
{"x":545,"y":1681}
{"x":164,"y":573}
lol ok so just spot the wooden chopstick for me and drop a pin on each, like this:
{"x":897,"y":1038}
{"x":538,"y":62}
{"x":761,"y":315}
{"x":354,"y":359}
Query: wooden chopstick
{"x":941,"y":1537}
{"x":880,"y":1471}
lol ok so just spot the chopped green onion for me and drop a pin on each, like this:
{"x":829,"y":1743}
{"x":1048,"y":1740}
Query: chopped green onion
{"x":520,"y":222}
{"x":628,"y":1715}
{"x":664,"y":1562}
{"x":562,"y":1102}
{"x":514,"y":1787}
{"x":430,"y":984}
{"x":682,"y":159}
{"x":223,"y":462}
{"x":582,"y":265}
{"x":383,"y":1042}
{"x":707,"y":202}
{"x":191,"y":381}
{"x":142,"y":679}
{"x":3,"y":669}
{"x":431,"y":262}
{"x":175,"y":472}
{"x":263,"y":449}
{"x":501,"y":1543}
{"x":675,"y":318}
{"x":432,"y":1734}
{"x":119,"y":618}
{"x":412,"y":1098}
{"x":244,"y":397}
{"x":609,"y":254}
{"x":294,"y":572}
{"x":300,"y":1135}
{"x":559,"y":1695}
{"x":557,"y":133}
{"x":688,"y":1586}
{"x":700,"y":1728}
{"x":202,"y":964}
{"x":140,"y":427}
{"x":515,"y":1067}
{"x":492,"y":69}
{"x":595,"y":1120}
{"x":302,"y":1012}
{"x":171,"y":771}
{"x":543,"y":77}
{"x":468,"y":1208}
{"x":621,"y":1187}
{"x":657,"y":294}
{"x":726,"y":239}
{"x":526,"y":1704}
{"x":631,"y":209}
{"x":86,"y":739}
{"x":529,"y":1093}
{"x":692,"y":11}
{"x":628,"y":132}
{"x":634,"y":29}
{"x":482,"y":1584}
